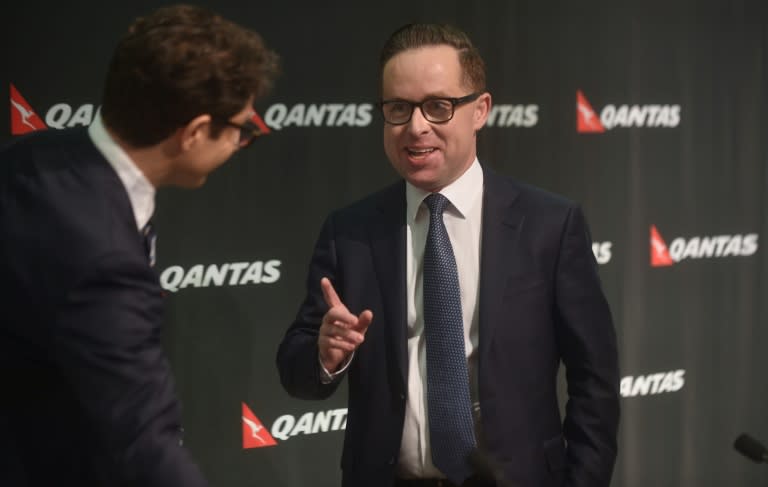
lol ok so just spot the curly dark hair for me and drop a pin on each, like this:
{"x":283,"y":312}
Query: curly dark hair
{"x":180,"y":62}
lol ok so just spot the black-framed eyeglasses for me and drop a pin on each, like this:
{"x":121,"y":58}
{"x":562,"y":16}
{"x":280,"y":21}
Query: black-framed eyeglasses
{"x":435,"y":110}
{"x":248,"y":132}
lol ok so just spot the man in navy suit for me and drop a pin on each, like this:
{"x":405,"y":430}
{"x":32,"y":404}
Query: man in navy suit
{"x":88,"y":397}
{"x":527,"y":293}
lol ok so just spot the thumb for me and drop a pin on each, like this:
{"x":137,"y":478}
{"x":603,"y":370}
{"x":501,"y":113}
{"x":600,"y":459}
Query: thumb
{"x":364,"y":321}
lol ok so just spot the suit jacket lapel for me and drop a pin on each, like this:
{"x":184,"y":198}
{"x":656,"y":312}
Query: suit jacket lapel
{"x":387,"y":233}
{"x":502,"y":224}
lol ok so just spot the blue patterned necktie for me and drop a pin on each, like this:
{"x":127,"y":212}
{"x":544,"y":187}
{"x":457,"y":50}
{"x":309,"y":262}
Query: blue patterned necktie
{"x":150,"y":242}
{"x":451,"y":428}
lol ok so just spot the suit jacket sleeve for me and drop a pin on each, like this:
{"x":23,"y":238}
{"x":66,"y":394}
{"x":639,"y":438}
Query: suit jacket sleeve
{"x":108,"y":344}
{"x":589,"y":352}
{"x":298,"y":355}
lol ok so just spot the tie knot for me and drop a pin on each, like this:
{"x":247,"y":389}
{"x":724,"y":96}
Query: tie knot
{"x":436,"y":203}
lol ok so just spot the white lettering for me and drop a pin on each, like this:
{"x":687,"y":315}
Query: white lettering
{"x":713,"y":246}
{"x":674,"y":116}
{"x":513,"y":116}
{"x":347,"y":116}
{"x":275,"y":115}
{"x":602,"y":251}
{"x":733,"y":247}
{"x":656,"y":383}
{"x":194,"y":277}
{"x":322,"y":422}
{"x":749,"y":244}
{"x":83,"y":116}
{"x":171,"y":278}
{"x":304,"y":425}
{"x":676,"y":249}
{"x":334,"y":109}
{"x":295,"y":116}
{"x":531,"y":116}
{"x":236,"y":268}
{"x":279,"y":115}
{"x":58,"y":115}
{"x":286,"y":426}
{"x":339,"y":419}
{"x":253,"y":274}
{"x":364,"y":116}
{"x":271,"y":272}
{"x":315,"y":115}
{"x":282,"y":426}
{"x":640,"y":116}
{"x":691,"y":249}
{"x":215,"y":275}
{"x":232,"y":274}
{"x":707,"y":247}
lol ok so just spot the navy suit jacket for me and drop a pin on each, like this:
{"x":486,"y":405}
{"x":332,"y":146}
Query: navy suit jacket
{"x":88,"y":398}
{"x":540,"y":303}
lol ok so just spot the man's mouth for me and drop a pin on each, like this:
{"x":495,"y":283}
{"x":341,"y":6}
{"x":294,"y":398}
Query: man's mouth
{"x":420,"y":152}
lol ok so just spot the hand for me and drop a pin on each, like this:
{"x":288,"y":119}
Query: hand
{"x":341,"y":332}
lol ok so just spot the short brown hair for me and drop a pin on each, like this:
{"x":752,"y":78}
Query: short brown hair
{"x":180,"y":62}
{"x":412,"y":36}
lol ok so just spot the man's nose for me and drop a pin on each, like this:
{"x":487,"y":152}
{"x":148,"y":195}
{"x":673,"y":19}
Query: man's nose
{"x":418,"y":124}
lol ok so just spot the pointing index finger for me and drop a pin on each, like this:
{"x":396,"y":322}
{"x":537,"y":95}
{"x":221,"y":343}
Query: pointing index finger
{"x":329,"y":293}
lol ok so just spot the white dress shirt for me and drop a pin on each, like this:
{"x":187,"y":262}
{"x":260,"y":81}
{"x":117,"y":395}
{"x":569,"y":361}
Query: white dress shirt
{"x":463,"y":222}
{"x":141,"y":193}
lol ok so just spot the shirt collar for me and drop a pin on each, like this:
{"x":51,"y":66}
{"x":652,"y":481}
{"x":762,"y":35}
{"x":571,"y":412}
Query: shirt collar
{"x":140,"y":191}
{"x":462,"y":193}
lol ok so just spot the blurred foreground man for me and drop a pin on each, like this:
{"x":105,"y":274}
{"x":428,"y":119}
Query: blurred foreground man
{"x":88,"y":397}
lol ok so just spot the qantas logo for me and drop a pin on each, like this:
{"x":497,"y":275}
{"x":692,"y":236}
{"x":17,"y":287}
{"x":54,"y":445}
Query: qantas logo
{"x":59,"y":116}
{"x":623,"y":116}
{"x":658,"y":383}
{"x":287,"y":426}
{"x":279,"y":115}
{"x":602,"y":251}
{"x":63,"y":115}
{"x":176,"y":277}
{"x":513,"y":116}
{"x":708,"y":247}
{"x":586,"y":119}
{"x":659,"y":252}
{"x":254,"y":433}
{"x":23,"y":117}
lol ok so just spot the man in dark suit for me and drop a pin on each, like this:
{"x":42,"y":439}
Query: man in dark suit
{"x":88,"y":397}
{"x":450,"y":299}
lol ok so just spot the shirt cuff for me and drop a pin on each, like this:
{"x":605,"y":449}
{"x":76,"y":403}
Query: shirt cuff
{"x":328,"y":377}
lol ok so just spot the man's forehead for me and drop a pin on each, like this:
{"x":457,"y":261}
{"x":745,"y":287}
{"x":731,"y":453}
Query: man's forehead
{"x":441,"y":52}
{"x":430,"y":70}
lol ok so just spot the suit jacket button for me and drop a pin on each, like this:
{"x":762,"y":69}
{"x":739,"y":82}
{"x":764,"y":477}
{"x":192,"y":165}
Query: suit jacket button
{"x":392,"y":461}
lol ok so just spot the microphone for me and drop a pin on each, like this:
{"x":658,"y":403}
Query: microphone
{"x":751,"y":448}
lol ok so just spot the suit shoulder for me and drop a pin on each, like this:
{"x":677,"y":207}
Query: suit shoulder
{"x":536,"y":197}
{"x":45,"y":146}
{"x":364,"y":208}
{"x":52,"y":159}
{"x":59,"y":180}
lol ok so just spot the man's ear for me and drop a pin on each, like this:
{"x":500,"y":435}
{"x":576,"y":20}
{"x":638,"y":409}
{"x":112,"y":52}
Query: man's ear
{"x":482,"y":109}
{"x":196,"y":131}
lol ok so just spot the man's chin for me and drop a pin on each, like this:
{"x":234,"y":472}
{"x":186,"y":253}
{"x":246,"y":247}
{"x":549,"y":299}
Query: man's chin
{"x":192,"y":183}
{"x":425,"y":183}
{"x":199,"y":183}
